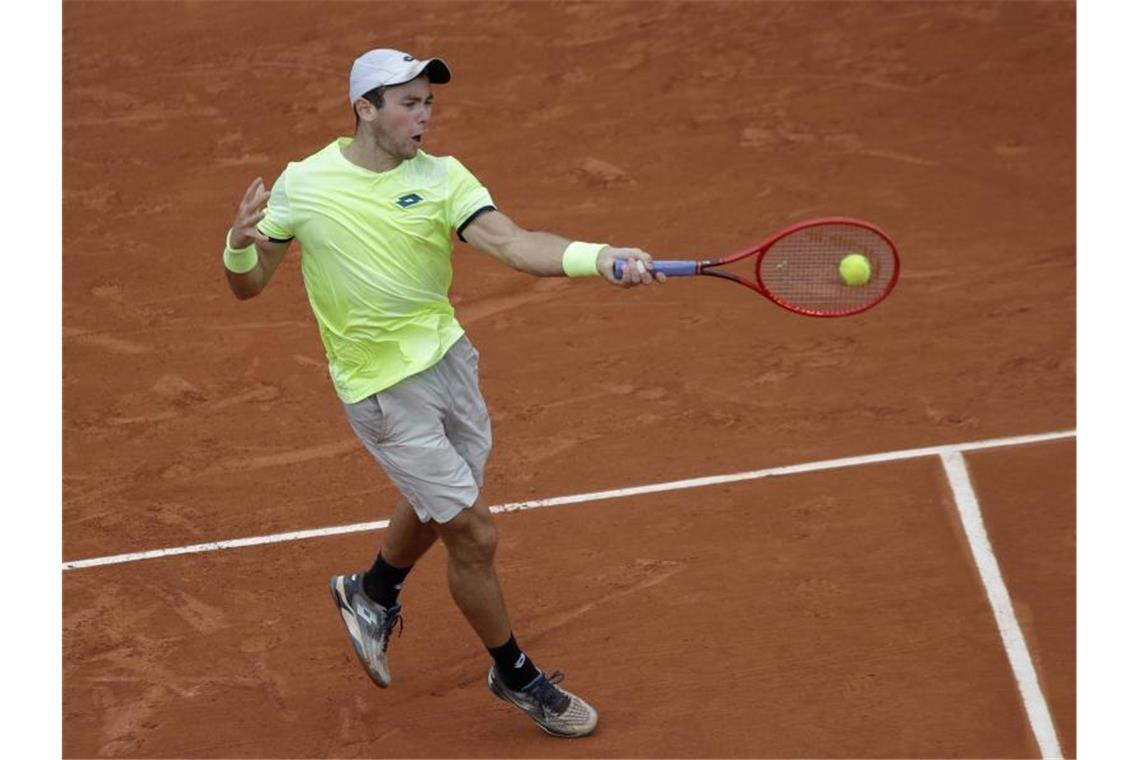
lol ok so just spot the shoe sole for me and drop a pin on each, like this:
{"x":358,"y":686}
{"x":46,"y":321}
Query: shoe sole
{"x":499,"y":693}
{"x":343,"y":608}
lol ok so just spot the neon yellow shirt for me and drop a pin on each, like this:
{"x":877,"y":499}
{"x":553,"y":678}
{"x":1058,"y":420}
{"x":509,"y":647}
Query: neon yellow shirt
{"x":376,"y":259}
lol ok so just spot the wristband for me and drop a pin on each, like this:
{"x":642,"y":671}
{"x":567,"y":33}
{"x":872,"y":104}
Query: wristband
{"x":240,"y":260}
{"x":581,"y":259}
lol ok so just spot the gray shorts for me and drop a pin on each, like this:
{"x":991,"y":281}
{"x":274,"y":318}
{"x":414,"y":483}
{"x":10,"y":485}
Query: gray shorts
{"x":431,"y":433}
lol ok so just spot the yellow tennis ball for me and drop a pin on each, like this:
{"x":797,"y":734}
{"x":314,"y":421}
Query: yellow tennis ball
{"x":855,"y":269}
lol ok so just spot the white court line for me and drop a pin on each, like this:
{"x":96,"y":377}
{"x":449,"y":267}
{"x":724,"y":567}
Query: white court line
{"x":233,"y":543}
{"x":675,"y":485}
{"x":1011,"y":636}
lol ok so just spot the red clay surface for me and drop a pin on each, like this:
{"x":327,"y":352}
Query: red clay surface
{"x":831,"y":615}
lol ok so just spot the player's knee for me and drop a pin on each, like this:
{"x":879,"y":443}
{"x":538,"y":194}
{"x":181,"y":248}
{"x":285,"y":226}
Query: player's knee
{"x":484,"y":542}
{"x":478,"y":540}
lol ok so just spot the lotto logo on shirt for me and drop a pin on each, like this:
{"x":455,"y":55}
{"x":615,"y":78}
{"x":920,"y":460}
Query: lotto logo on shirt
{"x":410,"y":199}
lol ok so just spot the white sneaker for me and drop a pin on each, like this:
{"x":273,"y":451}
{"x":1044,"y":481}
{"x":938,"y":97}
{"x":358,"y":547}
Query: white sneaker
{"x":555,"y":710}
{"x":369,"y":624}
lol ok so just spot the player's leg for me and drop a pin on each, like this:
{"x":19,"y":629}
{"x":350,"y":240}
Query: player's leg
{"x":405,"y":541}
{"x":404,"y":428}
{"x":407,"y":538}
{"x":431,"y":434}
{"x":471,"y":540}
{"x":367,"y":600}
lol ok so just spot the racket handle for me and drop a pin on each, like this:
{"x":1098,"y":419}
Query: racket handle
{"x":668,"y":268}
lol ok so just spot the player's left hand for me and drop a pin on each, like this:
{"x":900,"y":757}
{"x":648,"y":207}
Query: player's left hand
{"x":638,"y":268}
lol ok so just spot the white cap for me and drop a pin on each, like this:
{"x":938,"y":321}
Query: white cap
{"x":391,"y":67}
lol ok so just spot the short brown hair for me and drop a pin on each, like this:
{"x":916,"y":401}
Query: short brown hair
{"x":375,"y":96}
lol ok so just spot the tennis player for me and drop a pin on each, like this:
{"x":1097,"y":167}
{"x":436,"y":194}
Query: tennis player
{"x":374,"y":215}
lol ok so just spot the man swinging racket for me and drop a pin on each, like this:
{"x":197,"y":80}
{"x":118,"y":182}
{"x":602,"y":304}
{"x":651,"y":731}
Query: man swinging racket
{"x":373,"y":215}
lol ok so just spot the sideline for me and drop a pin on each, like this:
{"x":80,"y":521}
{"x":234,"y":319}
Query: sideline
{"x":1036,"y":709}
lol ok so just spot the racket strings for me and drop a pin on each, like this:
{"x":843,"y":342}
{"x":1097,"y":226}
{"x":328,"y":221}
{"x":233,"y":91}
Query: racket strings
{"x":801,"y":270}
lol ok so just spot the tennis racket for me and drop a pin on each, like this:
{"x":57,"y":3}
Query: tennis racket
{"x":798,"y":268}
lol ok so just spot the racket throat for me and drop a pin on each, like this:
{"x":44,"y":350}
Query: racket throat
{"x":711,"y":271}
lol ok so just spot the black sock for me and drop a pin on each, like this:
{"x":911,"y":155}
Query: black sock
{"x":515,"y":668}
{"x":383,"y":582}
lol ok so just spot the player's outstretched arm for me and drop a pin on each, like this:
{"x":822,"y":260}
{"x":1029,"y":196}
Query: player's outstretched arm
{"x":250,"y":258}
{"x":545,"y":255}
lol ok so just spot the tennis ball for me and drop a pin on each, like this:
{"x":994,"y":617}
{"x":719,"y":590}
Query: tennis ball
{"x":855,"y":269}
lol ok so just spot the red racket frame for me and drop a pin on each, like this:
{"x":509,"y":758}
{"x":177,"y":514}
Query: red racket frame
{"x":707,"y":267}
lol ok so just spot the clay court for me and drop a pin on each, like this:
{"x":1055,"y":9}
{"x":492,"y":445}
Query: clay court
{"x":841,"y":609}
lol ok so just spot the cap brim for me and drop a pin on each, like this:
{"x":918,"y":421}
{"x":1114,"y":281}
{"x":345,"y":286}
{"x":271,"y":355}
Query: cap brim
{"x":437,"y":71}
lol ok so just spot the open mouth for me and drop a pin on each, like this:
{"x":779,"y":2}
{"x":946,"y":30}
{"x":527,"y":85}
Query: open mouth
{"x":417,"y":139}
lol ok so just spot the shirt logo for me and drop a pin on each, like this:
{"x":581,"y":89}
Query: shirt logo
{"x":410,"y":199}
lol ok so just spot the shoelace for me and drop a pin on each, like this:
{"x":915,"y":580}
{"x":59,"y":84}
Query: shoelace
{"x":549,"y":695}
{"x":389,"y":624}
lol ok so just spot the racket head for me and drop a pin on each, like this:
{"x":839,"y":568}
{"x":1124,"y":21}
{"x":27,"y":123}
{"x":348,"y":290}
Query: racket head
{"x":798,"y":267}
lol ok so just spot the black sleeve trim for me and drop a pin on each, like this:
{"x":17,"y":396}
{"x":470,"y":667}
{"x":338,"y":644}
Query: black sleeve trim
{"x":273,"y":239}
{"x":475,"y":215}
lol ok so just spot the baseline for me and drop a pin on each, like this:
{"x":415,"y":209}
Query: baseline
{"x":675,"y":485}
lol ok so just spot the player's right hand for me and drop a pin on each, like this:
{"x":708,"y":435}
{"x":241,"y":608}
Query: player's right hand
{"x":251,"y":210}
{"x":637,"y":269}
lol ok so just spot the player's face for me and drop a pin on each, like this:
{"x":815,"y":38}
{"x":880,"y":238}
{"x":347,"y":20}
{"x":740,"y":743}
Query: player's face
{"x":400,"y":125}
